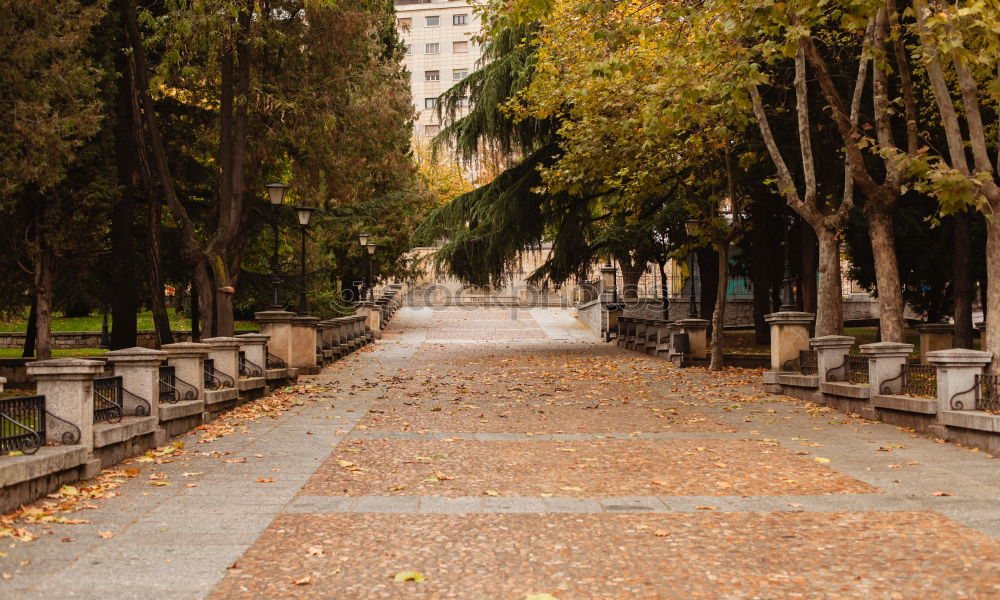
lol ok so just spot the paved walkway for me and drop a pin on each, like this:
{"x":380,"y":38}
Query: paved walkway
{"x":506,"y":455}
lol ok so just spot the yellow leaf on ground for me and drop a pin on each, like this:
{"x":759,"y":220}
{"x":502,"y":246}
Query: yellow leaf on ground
{"x":106,"y":534}
{"x":705,"y":508}
{"x":408,"y":576}
{"x":492,"y":493}
{"x":541,"y":597}
{"x":820,"y":459}
{"x":302,"y":580}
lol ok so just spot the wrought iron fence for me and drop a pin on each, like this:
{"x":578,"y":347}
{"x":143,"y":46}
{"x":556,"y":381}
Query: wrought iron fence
{"x":214,"y":378}
{"x":274,"y":362}
{"x":806,"y":363}
{"x":915,"y":379}
{"x":108,"y":405}
{"x":248,"y":368}
{"x":168,"y":385}
{"x":22,"y":424}
{"x":857,"y":368}
{"x":988,"y":393}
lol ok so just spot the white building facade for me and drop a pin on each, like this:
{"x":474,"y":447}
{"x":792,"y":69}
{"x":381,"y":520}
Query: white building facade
{"x":439,"y":52}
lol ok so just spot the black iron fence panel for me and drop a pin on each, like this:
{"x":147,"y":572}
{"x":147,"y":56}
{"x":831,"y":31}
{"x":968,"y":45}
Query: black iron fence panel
{"x":806,"y":363}
{"x":108,"y":405}
{"x":920,"y":380}
{"x":248,"y":368}
{"x":169,"y":393}
{"x":22,"y":424}
{"x":274,"y":362}
{"x":214,"y":378}
{"x":988,"y":393}
{"x":857,"y":368}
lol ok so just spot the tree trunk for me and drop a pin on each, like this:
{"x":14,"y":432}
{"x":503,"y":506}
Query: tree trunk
{"x":206,"y":298}
{"x":124,"y":300}
{"x":708,"y":269}
{"x":992,"y":310}
{"x":31,"y":332}
{"x":630,"y":278}
{"x":195,"y":311}
{"x":962,"y":279}
{"x":807,"y":281}
{"x":719,"y":314}
{"x":161,"y":319}
{"x":43,"y":300}
{"x":829,"y":304}
{"x":890,"y":294}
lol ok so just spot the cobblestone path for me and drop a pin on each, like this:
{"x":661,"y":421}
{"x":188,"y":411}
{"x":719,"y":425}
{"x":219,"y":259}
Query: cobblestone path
{"x":508,"y":455}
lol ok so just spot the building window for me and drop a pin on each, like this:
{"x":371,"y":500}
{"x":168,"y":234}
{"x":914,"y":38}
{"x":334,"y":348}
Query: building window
{"x":459,"y":74}
{"x":432,"y":21}
{"x":459,"y":47}
{"x":432,"y":75}
{"x":405,"y":24}
{"x":432,"y":129}
{"x":409,"y":49}
{"x":432,"y":48}
{"x":460,"y":19}
{"x":463,"y":102}
{"x":430,"y":102}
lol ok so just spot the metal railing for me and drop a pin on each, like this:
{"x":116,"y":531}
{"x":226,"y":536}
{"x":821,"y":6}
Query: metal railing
{"x":274,"y":362}
{"x":22,"y":424}
{"x":248,"y":368}
{"x":806,"y":363}
{"x":854,"y":369}
{"x":988,"y":393}
{"x":112,"y":401}
{"x":168,"y":385}
{"x":915,"y":380}
{"x":214,"y":378}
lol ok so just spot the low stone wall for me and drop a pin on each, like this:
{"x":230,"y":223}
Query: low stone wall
{"x":593,"y":315}
{"x":78,"y":340}
{"x":739,"y":311}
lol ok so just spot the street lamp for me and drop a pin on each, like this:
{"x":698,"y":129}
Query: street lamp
{"x":276,"y":195}
{"x":363,"y":242}
{"x":371,"y":274}
{"x":303,"y":213}
{"x":691,"y":226}
{"x":788,"y":280}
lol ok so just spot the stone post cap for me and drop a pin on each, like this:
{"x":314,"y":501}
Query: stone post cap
{"x":273,"y":316}
{"x":253,"y":338}
{"x":936,"y":328}
{"x":693,"y":323}
{"x":222,"y":342}
{"x":137,"y":356}
{"x":69,"y":368}
{"x":887,"y":349}
{"x":831,"y":342}
{"x":959,"y":357}
{"x":186,"y":350}
{"x":790,"y":317}
{"x":305,"y":321}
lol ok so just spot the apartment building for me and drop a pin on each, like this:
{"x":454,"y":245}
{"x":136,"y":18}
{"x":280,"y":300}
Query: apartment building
{"x":439,"y":52}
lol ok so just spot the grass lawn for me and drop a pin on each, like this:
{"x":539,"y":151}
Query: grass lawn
{"x":75,"y":352}
{"x":144,"y":320}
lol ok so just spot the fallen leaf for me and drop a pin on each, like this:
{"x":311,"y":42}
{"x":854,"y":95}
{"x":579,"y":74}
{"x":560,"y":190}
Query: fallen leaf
{"x":66,"y":539}
{"x":106,"y":534}
{"x":6,"y":576}
{"x":661,"y":533}
{"x":265,"y":480}
{"x":820,"y":459}
{"x":794,"y":504}
{"x":492,"y":493}
{"x":706,"y":508}
{"x":541,"y":597}
{"x":940,"y":493}
{"x":315,"y":551}
{"x":302,"y":580}
{"x":408,"y":576}
{"x":159,"y":483}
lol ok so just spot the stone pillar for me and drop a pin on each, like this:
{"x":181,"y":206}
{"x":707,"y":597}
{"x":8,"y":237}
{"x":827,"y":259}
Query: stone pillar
{"x":982,"y":334}
{"x":885,"y":365}
{"x":303,"y":346}
{"x":607,"y":284}
{"x":372,"y":315}
{"x":956,"y":376}
{"x":140,"y":372}
{"x":254,"y":347}
{"x":789,"y":335}
{"x":225,"y":354}
{"x":697,"y":332}
{"x":68,"y":387}
{"x":188,"y":361}
{"x":831,"y":351}
{"x":277,"y":324}
{"x":934,"y":336}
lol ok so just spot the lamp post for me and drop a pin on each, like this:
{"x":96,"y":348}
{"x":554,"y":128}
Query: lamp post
{"x":276,"y":195}
{"x":371,"y":274}
{"x":691,"y":226}
{"x":787,"y":280}
{"x":303,"y":213}
{"x":363,"y":242}
{"x":105,"y":341}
